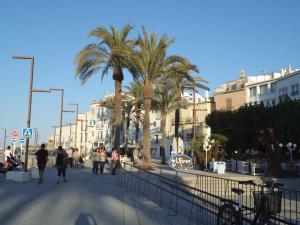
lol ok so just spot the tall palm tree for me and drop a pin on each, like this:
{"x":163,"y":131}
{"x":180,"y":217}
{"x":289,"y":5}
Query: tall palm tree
{"x":181,"y":74}
{"x":152,"y":64}
{"x":113,"y":51}
{"x":165,"y":101}
{"x":135,"y":90}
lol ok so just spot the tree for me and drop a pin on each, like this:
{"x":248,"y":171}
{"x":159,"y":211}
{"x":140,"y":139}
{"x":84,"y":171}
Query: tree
{"x":152,"y":65}
{"x":165,"y":101}
{"x":135,"y":90}
{"x":113,"y":51}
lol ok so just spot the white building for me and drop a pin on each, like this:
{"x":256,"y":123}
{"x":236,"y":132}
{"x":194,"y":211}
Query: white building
{"x":274,"y":87}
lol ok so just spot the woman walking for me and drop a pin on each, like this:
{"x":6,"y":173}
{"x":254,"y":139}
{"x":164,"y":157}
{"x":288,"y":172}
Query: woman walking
{"x":96,"y":161}
{"x":103,"y":158}
{"x":61,"y":163}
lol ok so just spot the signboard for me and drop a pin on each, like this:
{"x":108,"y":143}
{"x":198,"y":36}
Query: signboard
{"x":180,"y":162}
{"x":27,"y":132}
{"x":14,"y":134}
{"x":22,"y":140}
{"x":14,"y":139}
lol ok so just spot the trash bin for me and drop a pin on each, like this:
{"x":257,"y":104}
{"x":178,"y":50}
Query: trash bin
{"x":221,"y":167}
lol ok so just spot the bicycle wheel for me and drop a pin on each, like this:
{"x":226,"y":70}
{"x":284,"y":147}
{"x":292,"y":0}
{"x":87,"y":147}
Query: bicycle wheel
{"x":264,"y":221}
{"x":227,"y":215}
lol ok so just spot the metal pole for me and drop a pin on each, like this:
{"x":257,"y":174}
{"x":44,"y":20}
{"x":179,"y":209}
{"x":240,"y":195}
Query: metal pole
{"x":4,"y":138}
{"x":76,"y":124}
{"x":29,"y":111}
{"x":61,"y":114}
{"x":70,"y":134}
{"x":54,"y":137}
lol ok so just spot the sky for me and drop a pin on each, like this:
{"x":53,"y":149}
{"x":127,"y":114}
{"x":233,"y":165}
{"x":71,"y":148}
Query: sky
{"x":221,"y":37}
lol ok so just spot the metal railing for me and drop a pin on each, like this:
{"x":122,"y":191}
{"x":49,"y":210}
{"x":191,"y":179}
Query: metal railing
{"x":198,"y":197}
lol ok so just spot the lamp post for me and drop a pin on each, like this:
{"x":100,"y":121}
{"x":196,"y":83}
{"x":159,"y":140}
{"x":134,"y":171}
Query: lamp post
{"x":206,"y":148}
{"x":61,"y":110}
{"x":291,"y":147}
{"x":76,"y":123}
{"x":4,"y":138}
{"x":81,"y":121}
{"x":29,"y":102}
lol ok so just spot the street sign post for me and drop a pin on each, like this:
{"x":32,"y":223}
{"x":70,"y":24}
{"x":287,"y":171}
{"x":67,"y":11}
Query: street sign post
{"x":22,"y":141}
{"x":14,"y":140}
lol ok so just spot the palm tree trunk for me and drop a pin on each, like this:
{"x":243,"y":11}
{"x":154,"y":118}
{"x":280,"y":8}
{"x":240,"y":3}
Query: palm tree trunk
{"x":148,"y":94}
{"x":118,"y":115}
{"x":164,"y":138}
{"x":177,"y":114}
{"x":137,"y":131}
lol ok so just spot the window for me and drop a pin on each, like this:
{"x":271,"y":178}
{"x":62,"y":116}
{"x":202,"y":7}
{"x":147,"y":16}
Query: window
{"x":233,"y":87}
{"x":283,"y":93}
{"x":100,"y":135}
{"x":228,"y":103}
{"x":295,"y":89}
{"x":263,"y":89}
{"x":253,"y":92}
{"x":273,"y":88}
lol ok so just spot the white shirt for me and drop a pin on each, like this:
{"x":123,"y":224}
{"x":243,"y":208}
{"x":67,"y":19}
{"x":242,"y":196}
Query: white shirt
{"x":70,"y":153}
{"x":7,"y":153}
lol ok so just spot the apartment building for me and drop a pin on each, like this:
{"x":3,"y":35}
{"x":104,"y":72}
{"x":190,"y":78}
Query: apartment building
{"x":276,"y":87}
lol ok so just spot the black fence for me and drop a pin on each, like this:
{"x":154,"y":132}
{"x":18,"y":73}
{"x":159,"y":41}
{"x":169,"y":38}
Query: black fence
{"x":198,"y":197}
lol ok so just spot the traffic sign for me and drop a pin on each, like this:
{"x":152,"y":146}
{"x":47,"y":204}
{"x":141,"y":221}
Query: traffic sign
{"x":14,"y":134}
{"x":14,"y":139}
{"x":27,"y":132}
{"x":22,"y":140}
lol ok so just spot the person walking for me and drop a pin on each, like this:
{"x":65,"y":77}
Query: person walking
{"x":96,"y":161}
{"x":61,"y":163}
{"x":70,"y":157}
{"x":103,"y":159}
{"x":76,"y":156}
{"x":7,"y":155}
{"x":114,"y":161}
{"x":41,"y":158}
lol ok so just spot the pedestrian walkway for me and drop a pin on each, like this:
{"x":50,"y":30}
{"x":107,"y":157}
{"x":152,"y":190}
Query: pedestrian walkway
{"x":86,"y":199}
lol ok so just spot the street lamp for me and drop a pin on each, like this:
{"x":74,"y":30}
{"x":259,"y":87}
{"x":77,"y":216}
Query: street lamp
{"x":61,"y":110}
{"x":4,"y":138}
{"x":291,"y":147}
{"x":29,"y":102}
{"x":206,"y":148}
{"x":76,"y":123}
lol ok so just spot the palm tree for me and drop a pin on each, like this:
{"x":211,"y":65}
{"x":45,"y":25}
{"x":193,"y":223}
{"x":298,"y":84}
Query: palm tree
{"x":152,"y":64}
{"x":181,"y":74}
{"x":113,"y":51}
{"x":135,"y":90}
{"x":165,"y":102}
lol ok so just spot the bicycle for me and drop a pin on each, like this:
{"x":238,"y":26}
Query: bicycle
{"x":266,"y":204}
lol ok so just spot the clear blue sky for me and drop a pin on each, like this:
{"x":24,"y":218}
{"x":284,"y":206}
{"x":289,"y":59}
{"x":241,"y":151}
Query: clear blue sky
{"x":220,"y":37}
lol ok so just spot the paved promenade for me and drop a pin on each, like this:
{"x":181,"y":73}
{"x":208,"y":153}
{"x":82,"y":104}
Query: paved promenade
{"x":86,"y":199}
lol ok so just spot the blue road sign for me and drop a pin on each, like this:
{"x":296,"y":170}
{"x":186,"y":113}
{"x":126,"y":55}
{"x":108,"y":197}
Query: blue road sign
{"x":27,"y":132}
{"x":14,"y":139}
{"x":22,"y":140}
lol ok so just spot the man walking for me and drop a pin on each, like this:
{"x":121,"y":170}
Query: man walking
{"x":114,"y":160}
{"x":70,"y":157}
{"x":42,"y":158}
{"x":76,"y":156}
